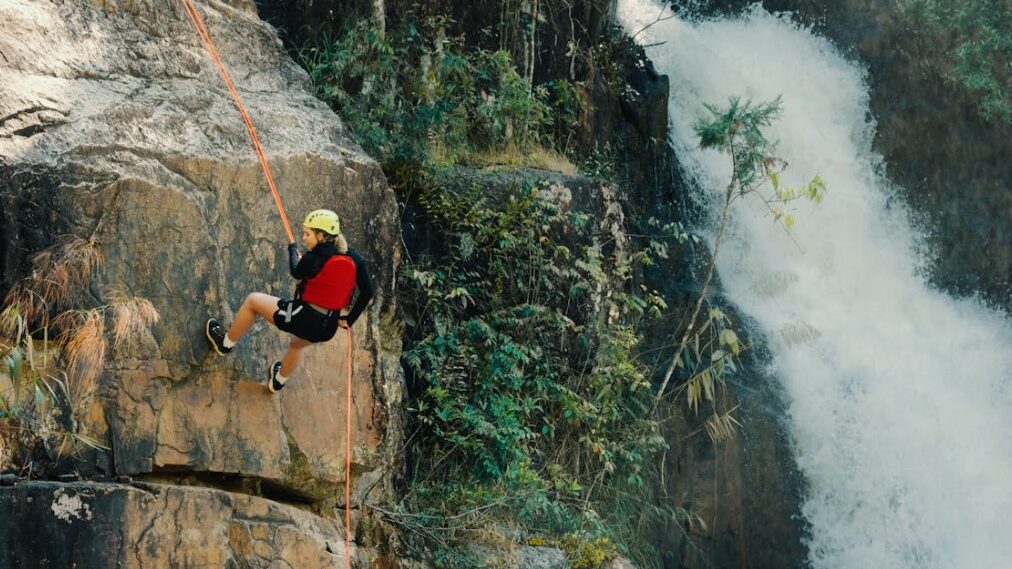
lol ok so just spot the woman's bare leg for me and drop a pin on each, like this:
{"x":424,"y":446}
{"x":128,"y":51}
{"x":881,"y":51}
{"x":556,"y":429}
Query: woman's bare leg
{"x":256,"y":303}
{"x":292,"y":355}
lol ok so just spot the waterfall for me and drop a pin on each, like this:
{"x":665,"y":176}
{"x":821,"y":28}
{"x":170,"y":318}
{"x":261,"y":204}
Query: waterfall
{"x":899,"y":395}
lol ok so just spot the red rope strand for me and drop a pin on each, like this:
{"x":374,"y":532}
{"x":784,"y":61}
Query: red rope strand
{"x":205,"y":37}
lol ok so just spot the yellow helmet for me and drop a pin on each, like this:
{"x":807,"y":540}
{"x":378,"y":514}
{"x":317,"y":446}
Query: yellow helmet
{"x":324,"y":220}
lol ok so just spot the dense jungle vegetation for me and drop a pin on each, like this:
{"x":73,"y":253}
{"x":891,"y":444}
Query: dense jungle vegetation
{"x":539,"y":412}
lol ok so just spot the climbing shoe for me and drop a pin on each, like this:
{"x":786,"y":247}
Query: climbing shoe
{"x":273,"y":384}
{"x":216,"y":335}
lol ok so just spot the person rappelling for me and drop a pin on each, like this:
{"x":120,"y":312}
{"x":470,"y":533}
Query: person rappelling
{"x":329,"y":275}
{"x":324,"y":286}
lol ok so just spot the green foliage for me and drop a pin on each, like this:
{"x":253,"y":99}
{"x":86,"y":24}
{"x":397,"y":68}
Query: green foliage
{"x":601,"y":163}
{"x":607,"y":58}
{"x":456,"y":558}
{"x":569,"y":107}
{"x":417,"y":99}
{"x":533,"y":410}
{"x":737,"y":130}
{"x":531,"y":403}
{"x":521,"y":339}
{"x":582,"y":552}
{"x":974,"y":39}
{"x":588,"y":553}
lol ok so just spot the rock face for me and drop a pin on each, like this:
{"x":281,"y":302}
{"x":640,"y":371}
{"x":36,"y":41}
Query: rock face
{"x":115,"y":126}
{"x":541,"y":558}
{"x":746,"y":491}
{"x":153,"y":525}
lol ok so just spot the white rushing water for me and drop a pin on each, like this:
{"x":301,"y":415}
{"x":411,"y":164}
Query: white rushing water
{"x":900,"y":406}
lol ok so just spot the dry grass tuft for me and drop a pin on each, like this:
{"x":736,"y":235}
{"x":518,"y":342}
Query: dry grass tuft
{"x":721,"y":427}
{"x":700,"y":388}
{"x":542,"y":158}
{"x":23,"y":305}
{"x":42,"y":305}
{"x":13,"y":326}
{"x":58,"y":276}
{"x":82,"y":337}
{"x":5,"y":460}
{"x":550,"y":160}
{"x":132,"y":317}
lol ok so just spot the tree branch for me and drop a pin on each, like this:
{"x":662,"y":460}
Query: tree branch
{"x":728,"y":197}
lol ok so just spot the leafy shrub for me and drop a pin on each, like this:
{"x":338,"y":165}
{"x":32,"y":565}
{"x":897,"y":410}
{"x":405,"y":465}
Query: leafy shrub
{"x":529,"y":397}
{"x":569,"y":107}
{"x":974,"y":43}
{"x":417,"y":99}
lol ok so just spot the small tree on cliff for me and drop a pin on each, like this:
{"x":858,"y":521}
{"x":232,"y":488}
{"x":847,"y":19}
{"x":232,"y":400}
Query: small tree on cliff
{"x":711,"y":344}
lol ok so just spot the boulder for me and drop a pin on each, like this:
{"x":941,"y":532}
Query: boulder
{"x":541,"y":558}
{"x":154,"y":525}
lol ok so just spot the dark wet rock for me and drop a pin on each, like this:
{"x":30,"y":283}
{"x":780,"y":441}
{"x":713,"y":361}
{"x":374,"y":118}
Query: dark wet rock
{"x":108,"y":525}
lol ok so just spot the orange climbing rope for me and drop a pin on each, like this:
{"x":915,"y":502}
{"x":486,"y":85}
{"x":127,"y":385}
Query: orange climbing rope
{"x":347,"y":456}
{"x":213,"y":51}
{"x":205,"y":37}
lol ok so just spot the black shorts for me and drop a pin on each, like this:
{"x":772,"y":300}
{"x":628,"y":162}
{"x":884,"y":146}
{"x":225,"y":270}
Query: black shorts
{"x":298,"y":318}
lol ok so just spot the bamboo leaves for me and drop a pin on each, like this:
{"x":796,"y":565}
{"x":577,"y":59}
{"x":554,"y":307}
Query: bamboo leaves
{"x":14,"y":364}
{"x":721,"y":427}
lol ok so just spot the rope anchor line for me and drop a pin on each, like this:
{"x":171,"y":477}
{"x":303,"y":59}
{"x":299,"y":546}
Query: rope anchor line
{"x":205,"y":38}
